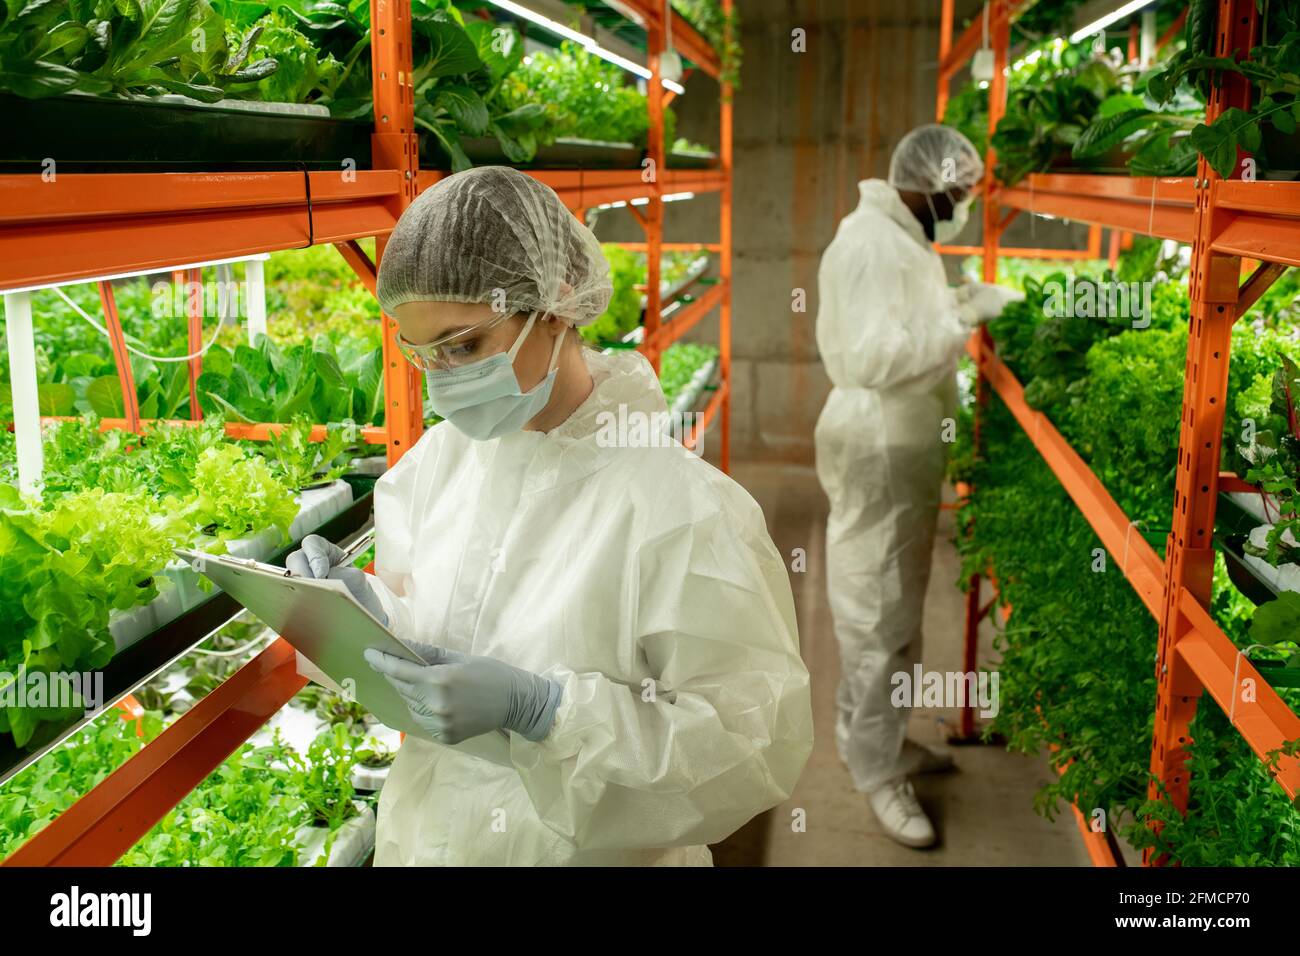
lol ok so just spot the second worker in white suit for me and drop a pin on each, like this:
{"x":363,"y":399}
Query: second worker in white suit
{"x":890,"y":330}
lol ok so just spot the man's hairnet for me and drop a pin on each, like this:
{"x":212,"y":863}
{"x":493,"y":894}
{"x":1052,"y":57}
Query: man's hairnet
{"x":933,"y":159}
{"x":497,"y":236}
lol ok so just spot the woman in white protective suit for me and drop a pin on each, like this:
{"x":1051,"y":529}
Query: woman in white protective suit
{"x":890,"y":330}
{"x":620,"y":612}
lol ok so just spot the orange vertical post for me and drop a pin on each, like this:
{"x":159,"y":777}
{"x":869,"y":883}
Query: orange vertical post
{"x":945,"y":47}
{"x":394,"y":146}
{"x":1112,"y":253}
{"x":1189,"y":554}
{"x":1000,"y":38}
{"x":121,"y":357}
{"x":654,"y":213}
{"x":724,"y":268}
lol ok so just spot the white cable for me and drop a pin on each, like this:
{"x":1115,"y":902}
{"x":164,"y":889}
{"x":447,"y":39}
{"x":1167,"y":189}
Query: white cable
{"x":241,"y":649}
{"x":132,"y":349}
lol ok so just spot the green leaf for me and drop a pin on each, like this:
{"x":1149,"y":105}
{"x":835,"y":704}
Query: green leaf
{"x":450,"y":141}
{"x":499,"y":47}
{"x":57,"y":398}
{"x":464,"y":105}
{"x":451,"y":51}
{"x":1277,"y":621}
{"x":1120,"y":103}
{"x":38,"y":80}
{"x":1110,"y":131}
{"x":105,"y":397}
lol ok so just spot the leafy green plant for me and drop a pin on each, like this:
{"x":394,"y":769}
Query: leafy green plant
{"x":270,"y":383}
{"x":1157,"y":139}
{"x":121,"y":47}
{"x":1272,"y":68}
{"x":67,"y":567}
{"x":300,"y":462}
{"x":678,"y":366}
{"x":1272,"y":458}
{"x":32,"y":799}
{"x":1047,"y":114}
{"x":584,"y":97}
{"x":251,"y":810}
{"x":1075,"y":655}
{"x":968,"y":113}
{"x":708,"y":17}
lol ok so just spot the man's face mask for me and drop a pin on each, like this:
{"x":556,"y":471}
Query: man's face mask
{"x":947,"y":230}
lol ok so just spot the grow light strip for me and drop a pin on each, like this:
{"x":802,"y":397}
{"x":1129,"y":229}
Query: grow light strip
{"x":590,"y":43}
{"x":260,"y":257}
{"x":644,"y":200}
{"x":1107,"y":19}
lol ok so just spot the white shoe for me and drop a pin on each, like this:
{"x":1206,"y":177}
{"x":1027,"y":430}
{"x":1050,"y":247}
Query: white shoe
{"x":900,"y":815}
{"x":927,"y":760}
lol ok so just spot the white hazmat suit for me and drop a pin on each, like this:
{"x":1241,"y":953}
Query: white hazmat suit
{"x":630,"y":572}
{"x":618,"y":572}
{"x":889,"y":330}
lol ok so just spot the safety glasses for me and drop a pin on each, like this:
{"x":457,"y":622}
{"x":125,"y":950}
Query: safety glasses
{"x":455,"y":349}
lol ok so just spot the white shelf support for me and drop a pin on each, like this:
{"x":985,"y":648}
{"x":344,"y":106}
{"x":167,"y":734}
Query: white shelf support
{"x":255,"y":280}
{"x":26,"y":396}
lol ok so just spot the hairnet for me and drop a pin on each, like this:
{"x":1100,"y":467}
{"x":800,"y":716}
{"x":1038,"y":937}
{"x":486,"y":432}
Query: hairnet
{"x":497,"y":236}
{"x":933,"y":159}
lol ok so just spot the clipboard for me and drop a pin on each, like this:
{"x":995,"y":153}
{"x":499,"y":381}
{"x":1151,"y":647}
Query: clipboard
{"x":324,"y":622}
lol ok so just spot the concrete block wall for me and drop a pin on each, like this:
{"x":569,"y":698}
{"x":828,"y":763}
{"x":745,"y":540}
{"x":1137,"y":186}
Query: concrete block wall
{"x":808,"y":127}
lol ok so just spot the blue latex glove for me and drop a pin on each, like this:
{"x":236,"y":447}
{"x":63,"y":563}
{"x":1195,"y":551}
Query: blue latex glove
{"x":319,"y":558}
{"x":458,"y":696}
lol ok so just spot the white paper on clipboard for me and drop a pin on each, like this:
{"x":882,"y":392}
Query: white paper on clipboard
{"x":330,"y":632}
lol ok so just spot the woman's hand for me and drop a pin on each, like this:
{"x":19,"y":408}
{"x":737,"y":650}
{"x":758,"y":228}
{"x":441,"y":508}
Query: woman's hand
{"x":458,"y":696}
{"x":319,"y":558}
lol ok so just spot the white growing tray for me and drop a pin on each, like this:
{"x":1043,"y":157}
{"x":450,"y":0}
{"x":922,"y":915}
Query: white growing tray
{"x":180,"y":592}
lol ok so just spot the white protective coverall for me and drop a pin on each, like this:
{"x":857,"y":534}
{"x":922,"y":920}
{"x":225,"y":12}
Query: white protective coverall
{"x":605,"y":569}
{"x":889,"y":332}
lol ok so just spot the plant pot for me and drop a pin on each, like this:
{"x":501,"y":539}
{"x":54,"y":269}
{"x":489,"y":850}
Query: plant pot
{"x":91,"y":134}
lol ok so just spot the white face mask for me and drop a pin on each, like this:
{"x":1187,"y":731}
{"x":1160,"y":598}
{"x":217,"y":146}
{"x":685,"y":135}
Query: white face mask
{"x":484,"y":399}
{"x":949,"y":229}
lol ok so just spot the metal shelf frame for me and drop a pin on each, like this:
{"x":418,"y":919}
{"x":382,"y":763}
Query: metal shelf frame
{"x":1224,"y":221}
{"x":87,"y":225}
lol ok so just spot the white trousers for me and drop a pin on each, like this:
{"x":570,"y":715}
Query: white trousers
{"x":880,"y":460}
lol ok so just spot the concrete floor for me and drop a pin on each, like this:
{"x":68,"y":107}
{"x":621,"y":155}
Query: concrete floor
{"x":983,"y":811}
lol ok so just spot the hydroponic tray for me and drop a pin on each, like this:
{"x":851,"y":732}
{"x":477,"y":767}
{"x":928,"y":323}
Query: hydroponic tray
{"x":1237,"y":518}
{"x":315,"y":507}
{"x":147,"y":657}
{"x":668,"y":295}
{"x":562,"y":154}
{"x":684,"y":160}
{"x":689,"y":397}
{"x":86,"y":134}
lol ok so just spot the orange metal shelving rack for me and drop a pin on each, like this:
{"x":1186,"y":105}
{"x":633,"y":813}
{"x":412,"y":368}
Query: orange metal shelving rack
{"x":80,"y":226}
{"x":1224,"y":221}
